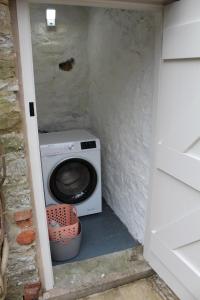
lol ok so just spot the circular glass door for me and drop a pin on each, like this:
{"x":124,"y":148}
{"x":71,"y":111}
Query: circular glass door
{"x":73,"y":181}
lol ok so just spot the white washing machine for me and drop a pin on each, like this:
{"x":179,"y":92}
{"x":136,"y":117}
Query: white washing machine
{"x":71,"y":167}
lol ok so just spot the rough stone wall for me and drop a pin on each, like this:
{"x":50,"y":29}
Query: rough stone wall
{"x":121,"y":57}
{"x":21,"y":264}
{"x":109,"y":90}
{"x":62,"y":97}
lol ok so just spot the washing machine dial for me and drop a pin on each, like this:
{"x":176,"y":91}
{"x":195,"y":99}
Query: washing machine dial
{"x":70,"y":147}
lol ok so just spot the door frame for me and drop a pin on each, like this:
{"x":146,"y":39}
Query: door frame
{"x":28,"y":91}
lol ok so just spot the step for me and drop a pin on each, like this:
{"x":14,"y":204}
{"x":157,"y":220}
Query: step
{"x":83,"y":278}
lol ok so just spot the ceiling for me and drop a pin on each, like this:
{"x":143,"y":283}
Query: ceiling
{"x":102,"y":3}
{"x":155,"y":2}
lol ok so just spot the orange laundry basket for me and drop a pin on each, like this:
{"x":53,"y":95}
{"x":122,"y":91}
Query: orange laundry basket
{"x":65,"y":215}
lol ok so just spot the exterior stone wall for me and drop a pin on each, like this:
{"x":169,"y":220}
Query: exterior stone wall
{"x":16,"y":190}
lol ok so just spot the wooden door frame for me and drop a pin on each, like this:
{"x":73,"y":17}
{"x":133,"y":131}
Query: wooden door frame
{"x":28,"y":88}
{"x":123,"y":4}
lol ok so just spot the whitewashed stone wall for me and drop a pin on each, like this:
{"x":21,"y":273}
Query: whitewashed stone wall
{"x":121,"y":57}
{"x":62,"y":97}
{"x":109,"y":90}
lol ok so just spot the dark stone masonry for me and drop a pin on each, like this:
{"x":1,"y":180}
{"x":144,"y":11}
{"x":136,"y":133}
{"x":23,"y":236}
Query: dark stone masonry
{"x":22,"y":267}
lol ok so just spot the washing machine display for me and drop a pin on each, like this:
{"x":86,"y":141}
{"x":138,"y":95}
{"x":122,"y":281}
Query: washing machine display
{"x":73,"y":181}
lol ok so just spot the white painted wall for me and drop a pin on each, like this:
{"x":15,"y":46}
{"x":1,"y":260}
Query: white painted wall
{"x":62,"y":97}
{"x":121,"y":57}
{"x":110,"y":90}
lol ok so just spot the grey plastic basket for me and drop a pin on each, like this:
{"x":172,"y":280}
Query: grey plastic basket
{"x":66,"y":249}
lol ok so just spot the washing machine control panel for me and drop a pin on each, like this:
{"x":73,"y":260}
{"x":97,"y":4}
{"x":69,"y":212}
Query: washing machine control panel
{"x":58,"y":149}
{"x":71,"y":147}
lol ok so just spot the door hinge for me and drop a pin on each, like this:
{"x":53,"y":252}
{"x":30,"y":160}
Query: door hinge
{"x":31,"y":109}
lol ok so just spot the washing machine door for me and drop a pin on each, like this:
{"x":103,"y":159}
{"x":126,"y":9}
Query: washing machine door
{"x":73,"y":181}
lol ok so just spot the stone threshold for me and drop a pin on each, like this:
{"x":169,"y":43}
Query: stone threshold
{"x":95,"y":275}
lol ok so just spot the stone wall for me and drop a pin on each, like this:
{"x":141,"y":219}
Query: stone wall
{"x":16,"y":190}
{"x":121,"y":57}
{"x":62,"y":96}
{"x":110,"y":90}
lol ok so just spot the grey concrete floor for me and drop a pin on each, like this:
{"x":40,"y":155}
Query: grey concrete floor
{"x":103,"y":273}
{"x":102,"y":234}
{"x":151,"y":288}
{"x":139,"y":290}
{"x":86,"y":277}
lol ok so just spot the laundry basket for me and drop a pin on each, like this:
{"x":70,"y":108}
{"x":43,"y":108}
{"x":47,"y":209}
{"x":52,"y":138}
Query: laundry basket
{"x":67,"y":248}
{"x":65,"y":216}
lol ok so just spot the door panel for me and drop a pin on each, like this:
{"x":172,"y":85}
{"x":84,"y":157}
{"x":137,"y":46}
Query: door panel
{"x":179,"y":165}
{"x":182,"y":30}
{"x":188,"y":41}
{"x":179,"y":103}
{"x":172,"y":245}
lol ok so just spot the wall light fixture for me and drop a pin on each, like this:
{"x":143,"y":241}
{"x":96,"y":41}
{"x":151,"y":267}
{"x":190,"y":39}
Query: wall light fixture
{"x":51,"y":17}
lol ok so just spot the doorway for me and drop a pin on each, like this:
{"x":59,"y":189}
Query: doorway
{"x":24,"y":28}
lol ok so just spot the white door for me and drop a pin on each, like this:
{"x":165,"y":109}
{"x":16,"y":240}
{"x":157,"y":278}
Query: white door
{"x":172,"y":244}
